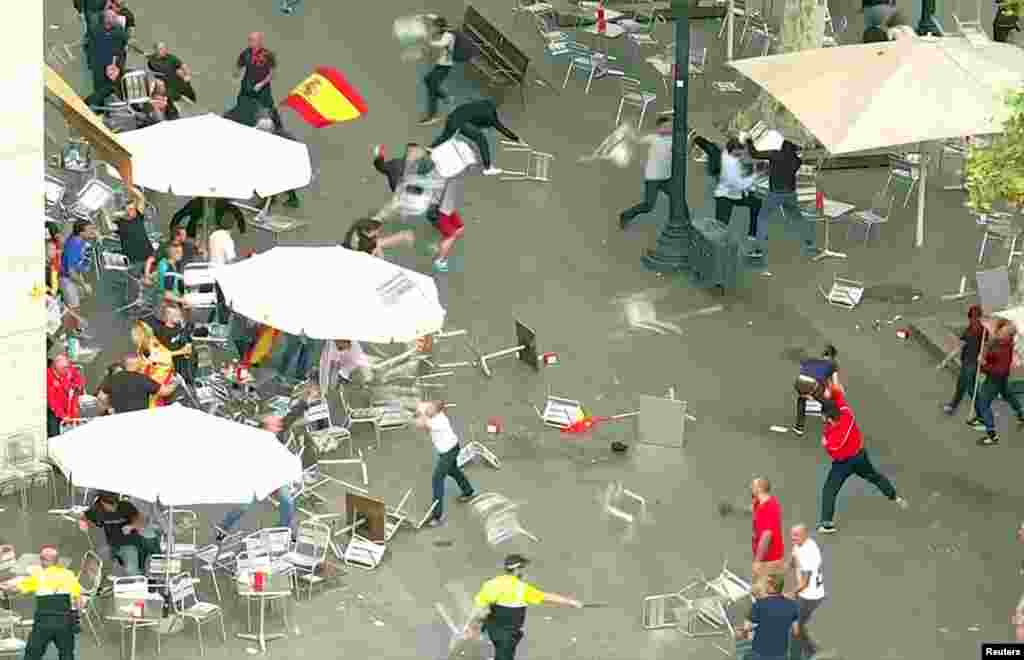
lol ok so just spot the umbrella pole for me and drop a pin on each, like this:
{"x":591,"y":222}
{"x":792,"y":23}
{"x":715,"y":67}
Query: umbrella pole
{"x":729,"y":17}
{"x":170,"y":530}
{"x":921,"y":184}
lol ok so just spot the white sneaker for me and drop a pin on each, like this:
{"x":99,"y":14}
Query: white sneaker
{"x":902,"y":503}
{"x":491,"y":171}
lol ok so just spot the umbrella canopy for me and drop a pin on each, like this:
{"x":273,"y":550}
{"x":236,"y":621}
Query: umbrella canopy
{"x":209,"y":156}
{"x":177,"y":456}
{"x":872,"y":96}
{"x":332,"y":293}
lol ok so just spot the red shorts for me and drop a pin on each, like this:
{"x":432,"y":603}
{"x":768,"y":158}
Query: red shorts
{"x":449,"y":223}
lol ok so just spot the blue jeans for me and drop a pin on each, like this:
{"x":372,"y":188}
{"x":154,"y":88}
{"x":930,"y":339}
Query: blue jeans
{"x":992,"y":387}
{"x":964,"y":383}
{"x":447,"y":465}
{"x":296,"y":358}
{"x":877,"y":15}
{"x":286,"y":511}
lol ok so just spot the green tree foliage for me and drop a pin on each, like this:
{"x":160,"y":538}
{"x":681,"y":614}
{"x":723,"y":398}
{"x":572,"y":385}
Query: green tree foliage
{"x":995,"y":173}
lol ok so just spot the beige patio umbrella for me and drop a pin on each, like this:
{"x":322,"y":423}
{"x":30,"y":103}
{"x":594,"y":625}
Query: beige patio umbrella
{"x":873,"y":96}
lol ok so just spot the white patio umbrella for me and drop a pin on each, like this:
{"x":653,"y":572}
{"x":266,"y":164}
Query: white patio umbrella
{"x":872,"y":96}
{"x":209,"y":156}
{"x":332,"y":293}
{"x":176,"y":456}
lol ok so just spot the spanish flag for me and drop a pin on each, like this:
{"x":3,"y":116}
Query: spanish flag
{"x":326,"y":98}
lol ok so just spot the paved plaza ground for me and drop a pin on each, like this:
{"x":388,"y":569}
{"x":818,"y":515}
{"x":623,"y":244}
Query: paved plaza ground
{"x":553,"y":256}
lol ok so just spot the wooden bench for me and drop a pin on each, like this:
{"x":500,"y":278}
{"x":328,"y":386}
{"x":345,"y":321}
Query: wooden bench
{"x":499,"y":60}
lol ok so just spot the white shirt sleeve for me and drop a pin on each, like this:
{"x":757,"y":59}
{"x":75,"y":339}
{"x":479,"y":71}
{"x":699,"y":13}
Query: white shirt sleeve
{"x":229,"y":249}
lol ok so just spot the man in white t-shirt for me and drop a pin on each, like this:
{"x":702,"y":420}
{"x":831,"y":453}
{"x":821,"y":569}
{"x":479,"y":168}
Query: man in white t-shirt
{"x":443,"y":42}
{"x":810,"y":589}
{"x":431,"y":418}
{"x":222,"y":251}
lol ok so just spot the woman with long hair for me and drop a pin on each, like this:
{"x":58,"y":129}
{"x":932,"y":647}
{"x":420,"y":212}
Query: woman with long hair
{"x":364,"y":236}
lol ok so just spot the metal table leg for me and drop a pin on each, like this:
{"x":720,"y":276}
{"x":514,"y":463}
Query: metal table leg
{"x":260,"y":636}
{"x":827,"y":251}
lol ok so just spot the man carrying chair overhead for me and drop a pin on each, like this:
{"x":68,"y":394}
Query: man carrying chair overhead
{"x":56,"y":619}
{"x":500,"y":607}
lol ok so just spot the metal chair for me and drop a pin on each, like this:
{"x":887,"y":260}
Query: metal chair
{"x":200,"y":286}
{"x":642,"y":29}
{"x":161,"y":568}
{"x":531,"y":8}
{"x":206,"y":561}
{"x":395,"y":517}
{"x":12,"y":481}
{"x":90,"y":577}
{"x":833,"y":28}
{"x":1000,"y":229}
{"x":363,"y":553}
{"x":135,"y":590}
{"x":876,"y":216}
{"x":186,"y":604}
{"x":135,"y":87}
{"x":538,"y":163}
{"x":956,"y":147}
{"x":633,"y":95}
{"x":321,"y":429}
{"x":745,"y":14}
{"x":185,"y":524}
{"x":10,"y":646}
{"x":309,"y":554}
{"x":586,"y":61}
{"x":20,"y":456}
{"x":761,"y":39}
{"x":904,"y":169}
{"x":547,"y":27}
{"x":382,"y":415}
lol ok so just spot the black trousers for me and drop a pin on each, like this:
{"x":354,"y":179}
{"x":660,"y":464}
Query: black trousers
{"x":52,"y":424}
{"x":505,"y":641}
{"x":859,"y":465}
{"x":801,"y":411}
{"x":47,"y":629}
{"x":964,"y":383}
{"x":724,"y":206}
{"x":651,"y":190}
{"x":433,"y":81}
{"x":473,"y":131}
{"x":195,"y":209}
{"x":265,"y":98}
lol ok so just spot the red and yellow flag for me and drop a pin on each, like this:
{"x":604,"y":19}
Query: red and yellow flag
{"x":326,"y":98}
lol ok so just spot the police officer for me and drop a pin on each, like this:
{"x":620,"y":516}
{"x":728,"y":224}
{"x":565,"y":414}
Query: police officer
{"x":56,"y":619}
{"x":501,"y":607}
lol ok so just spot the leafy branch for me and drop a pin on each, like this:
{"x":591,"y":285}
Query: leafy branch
{"x":995,"y":172}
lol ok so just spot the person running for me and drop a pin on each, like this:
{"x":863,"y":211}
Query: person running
{"x":845,"y":445}
{"x":500,"y":607}
{"x":657,"y":172}
{"x":470,"y":119}
{"x":810,"y":586}
{"x":256,"y":66}
{"x":735,"y":188}
{"x":970,"y":352}
{"x":783,"y":165}
{"x":996,"y":366}
{"x":443,"y":42}
{"x":448,"y":223}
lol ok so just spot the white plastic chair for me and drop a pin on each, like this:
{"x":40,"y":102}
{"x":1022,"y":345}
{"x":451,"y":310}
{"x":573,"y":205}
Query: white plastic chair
{"x":587,"y":61}
{"x":90,"y":577}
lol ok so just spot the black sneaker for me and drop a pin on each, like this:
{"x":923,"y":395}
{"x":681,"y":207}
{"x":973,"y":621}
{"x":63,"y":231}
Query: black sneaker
{"x":797,"y":430}
{"x":1020,"y":422}
{"x":990,"y":440}
{"x":827,"y":528}
{"x":755,"y":254}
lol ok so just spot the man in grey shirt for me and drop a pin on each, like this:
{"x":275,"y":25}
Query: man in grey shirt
{"x":657,"y":172}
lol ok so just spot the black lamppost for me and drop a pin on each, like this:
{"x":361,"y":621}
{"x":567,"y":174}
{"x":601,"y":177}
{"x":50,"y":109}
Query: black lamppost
{"x":671,"y":252}
{"x":928,"y":23}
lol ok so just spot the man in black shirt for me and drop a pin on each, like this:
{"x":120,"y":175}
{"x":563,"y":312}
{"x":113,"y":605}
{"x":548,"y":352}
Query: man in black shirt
{"x":131,"y":390}
{"x":175,"y":335}
{"x":471,"y":119}
{"x":783,"y":165}
{"x":135,"y":241}
{"x":173,"y":71}
{"x":256,"y":66}
{"x":131,"y":542}
{"x":773,"y":621}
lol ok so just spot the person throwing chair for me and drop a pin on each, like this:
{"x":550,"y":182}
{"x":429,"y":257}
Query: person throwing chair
{"x":430,"y":417}
{"x":500,"y":607}
{"x":471,"y":119}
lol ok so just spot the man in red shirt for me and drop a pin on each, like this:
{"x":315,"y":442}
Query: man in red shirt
{"x":64,"y":383}
{"x":845,"y":445}
{"x":996,"y":365}
{"x":767,"y":539}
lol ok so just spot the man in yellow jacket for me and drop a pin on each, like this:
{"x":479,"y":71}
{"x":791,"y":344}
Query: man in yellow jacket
{"x":57,"y":594}
{"x":500,"y":607}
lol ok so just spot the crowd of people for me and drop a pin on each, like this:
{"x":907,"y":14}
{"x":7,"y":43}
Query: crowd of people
{"x":163,"y":361}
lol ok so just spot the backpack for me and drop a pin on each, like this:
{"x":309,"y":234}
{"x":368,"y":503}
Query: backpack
{"x":464,"y":48}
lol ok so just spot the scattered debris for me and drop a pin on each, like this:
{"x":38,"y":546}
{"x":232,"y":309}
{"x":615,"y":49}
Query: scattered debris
{"x":252,"y":651}
{"x":779,"y":429}
{"x":765,"y":273}
{"x":750,"y":323}
{"x":444,"y":543}
{"x":378,"y":623}
{"x":944,"y":630}
{"x":974,"y":629}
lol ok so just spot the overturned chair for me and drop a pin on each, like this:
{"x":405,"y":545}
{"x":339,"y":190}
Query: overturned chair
{"x":701,"y":606}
